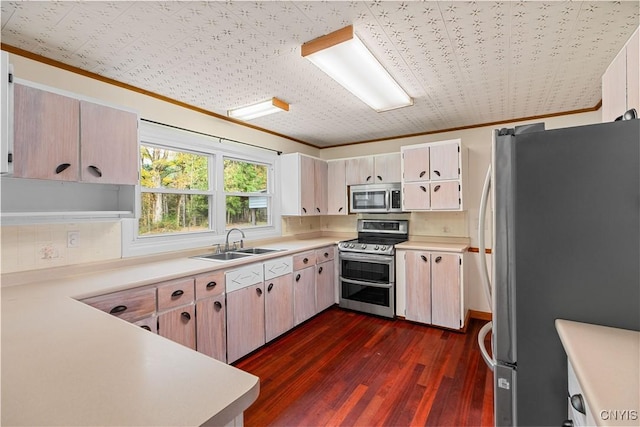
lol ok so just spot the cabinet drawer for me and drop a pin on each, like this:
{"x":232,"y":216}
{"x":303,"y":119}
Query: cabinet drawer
{"x":325,"y":254}
{"x":243,"y":277}
{"x":150,"y":324}
{"x":304,"y":260}
{"x":210,"y":285}
{"x":278,"y":267}
{"x":128,"y":305}
{"x":175,"y":293}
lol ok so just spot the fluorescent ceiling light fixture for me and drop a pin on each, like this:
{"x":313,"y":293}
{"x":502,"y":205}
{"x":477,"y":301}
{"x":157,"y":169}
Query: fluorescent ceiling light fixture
{"x":270,"y":106}
{"x":347,"y":60}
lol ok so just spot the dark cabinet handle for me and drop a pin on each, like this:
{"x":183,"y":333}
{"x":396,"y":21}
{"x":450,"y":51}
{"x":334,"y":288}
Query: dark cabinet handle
{"x":438,"y":258}
{"x":436,"y":188}
{"x":177,"y":293}
{"x":297,"y":277}
{"x":269,"y":287}
{"x":422,"y":173}
{"x":379,"y":177}
{"x":217,"y":305}
{"x":436,"y":172}
{"x":211,"y":285}
{"x":145,"y":327}
{"x":326,"y":254}
{"x":96,"y":171}
{"x":259,"y":292}
{"x":423,"y":188}
{"x":186,"y":315}
{"x":368,"y":178}
{"x":62,"y":167}
{"x":304,"y":210}
{"x":578,"y":403}
{"x":306,"y":260}
{"x":118,"y":309}
{"x":340,"y":210}
{"x":424,"y":258}
{"x":320,"y":270}
{"x":318,"y":209}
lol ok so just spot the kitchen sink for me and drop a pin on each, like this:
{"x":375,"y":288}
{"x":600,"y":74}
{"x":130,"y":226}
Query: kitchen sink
{"x":236,"y":254}
{"x":224,"y":256}
{"x":256,"y":251}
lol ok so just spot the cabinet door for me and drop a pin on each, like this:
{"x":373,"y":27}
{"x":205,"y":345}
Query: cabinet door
{"x":387,"y":168}
{"x":130,"y":305}
{"x":418,"y":283}
{"x":415,"y":164}
{"x":445,"y":195}
{"x":415,"y":196}
{"x":444,"y":161}
{"x":245,"y":321}
{"x":109,"y":140}
{"x":304,"y":294}
{"x":278,"y":308}
{"x":307,"y":186}
{"x":336,"y":188}
{"x":211,"y":327}
{"x":46,"y":135}
{"x":277,"y":267}
{"x":179,"y":325}
{"x":633,"y":72}
{"x":150,"y":324}
{"x":445,"y":290}
{"x":614,"y":88}
{"x":320,"y":187}
{"x":175,"y":293}
{"x":359,"y":170}
{"x":325,"y":285}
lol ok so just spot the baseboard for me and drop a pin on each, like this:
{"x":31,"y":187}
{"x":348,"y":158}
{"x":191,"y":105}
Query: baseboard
{"x":480,"y":315}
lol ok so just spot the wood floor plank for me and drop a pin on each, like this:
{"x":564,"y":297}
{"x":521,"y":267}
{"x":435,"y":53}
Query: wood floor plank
{"x":343,"y":368}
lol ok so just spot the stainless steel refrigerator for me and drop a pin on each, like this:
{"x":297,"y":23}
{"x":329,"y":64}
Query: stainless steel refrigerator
{"x":566,"y":244}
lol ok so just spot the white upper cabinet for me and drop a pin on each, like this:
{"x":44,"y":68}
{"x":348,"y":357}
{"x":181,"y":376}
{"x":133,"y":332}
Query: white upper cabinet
{"x":62,"y":138}
{"x":303,"y":185}
{"x":621,"y":81}
{"x":381,"y":168}
{"x":337,"y":200}
{"x":433,"y":175}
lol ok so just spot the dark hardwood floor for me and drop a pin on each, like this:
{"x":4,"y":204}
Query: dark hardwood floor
{"x":350,"y":369}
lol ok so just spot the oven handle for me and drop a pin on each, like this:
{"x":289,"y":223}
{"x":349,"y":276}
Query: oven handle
{"x":361,"y":283}
{"x":366,"y":257}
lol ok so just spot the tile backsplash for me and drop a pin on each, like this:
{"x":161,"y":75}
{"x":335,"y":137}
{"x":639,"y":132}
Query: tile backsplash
{"x":38,"y":246}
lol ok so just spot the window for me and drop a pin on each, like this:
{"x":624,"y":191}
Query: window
{"x":193,"y":188}
{"x":175,"y":191}
{"x":246,"y":194}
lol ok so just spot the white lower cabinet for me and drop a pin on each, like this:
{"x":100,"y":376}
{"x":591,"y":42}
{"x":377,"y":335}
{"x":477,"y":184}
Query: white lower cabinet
{"x":278,"y":302}
{"x":430,"y":287}
{"x":578,"y":410}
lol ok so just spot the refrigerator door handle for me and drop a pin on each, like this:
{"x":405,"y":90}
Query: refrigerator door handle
{"x":481,"y":240}
{"x":486,"y":329}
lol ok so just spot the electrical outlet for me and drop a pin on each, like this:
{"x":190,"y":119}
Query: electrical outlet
{"x":73,"y":239}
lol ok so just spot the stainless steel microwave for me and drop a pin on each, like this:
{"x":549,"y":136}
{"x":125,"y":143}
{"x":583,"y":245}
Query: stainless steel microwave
{"x":375,"y":198}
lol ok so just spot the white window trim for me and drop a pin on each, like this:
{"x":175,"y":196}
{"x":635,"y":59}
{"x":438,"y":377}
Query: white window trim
{"x":158,"y":135}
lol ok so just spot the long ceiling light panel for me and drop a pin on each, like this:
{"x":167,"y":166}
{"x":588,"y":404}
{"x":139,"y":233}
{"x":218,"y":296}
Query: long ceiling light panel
{"x":344,"y":57}
{"x":270,"y":106}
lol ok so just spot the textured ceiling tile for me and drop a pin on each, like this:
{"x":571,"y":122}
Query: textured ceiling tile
{"x":463,"y":62}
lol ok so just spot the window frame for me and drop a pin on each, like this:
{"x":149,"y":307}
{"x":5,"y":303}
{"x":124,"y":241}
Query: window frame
{"x":182,"y":140}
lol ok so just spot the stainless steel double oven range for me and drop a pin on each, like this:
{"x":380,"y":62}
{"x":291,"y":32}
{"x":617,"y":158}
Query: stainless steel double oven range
{"x":367,"y":266}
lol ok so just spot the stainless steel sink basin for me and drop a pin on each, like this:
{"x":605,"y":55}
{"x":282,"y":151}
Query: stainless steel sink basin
{"x":225,"y":256}
{"x":255,"y":251}
{"x":237,"y":254}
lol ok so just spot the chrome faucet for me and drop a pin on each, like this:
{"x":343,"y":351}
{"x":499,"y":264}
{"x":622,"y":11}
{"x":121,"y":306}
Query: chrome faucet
{"x":226,"y":243}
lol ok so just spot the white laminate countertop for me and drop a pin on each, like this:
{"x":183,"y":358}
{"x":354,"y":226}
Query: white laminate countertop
{"x":433,"y":246}
{"x":66,"y":363}
{"x":607,"y":365}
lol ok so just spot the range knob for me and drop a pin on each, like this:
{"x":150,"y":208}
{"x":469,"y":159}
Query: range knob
{"x":351,"y":245}
{"x":363,"y":246}
{"x":376,"y":247}
{"x":384,"y":248}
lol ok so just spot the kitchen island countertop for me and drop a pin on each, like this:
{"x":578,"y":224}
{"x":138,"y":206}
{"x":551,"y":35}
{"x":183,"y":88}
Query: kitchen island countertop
{"x":606,"y":362}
